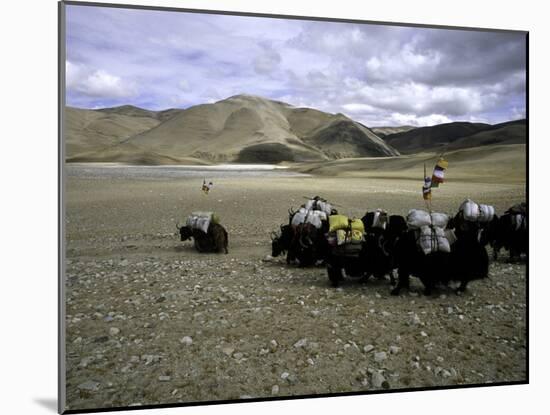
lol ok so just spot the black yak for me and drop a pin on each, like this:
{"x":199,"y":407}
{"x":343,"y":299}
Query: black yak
{"x":509,"y":232}
{"x":379,"y":246}
{"x":214,"y":240}
{"x":466,"y":261}
{"x":303,"y":243}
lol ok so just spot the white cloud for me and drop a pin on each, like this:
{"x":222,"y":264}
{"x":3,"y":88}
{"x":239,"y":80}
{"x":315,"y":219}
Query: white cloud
{"x":358,"y":108}
{"x":411,"y":119}
{"x":97,"y":83}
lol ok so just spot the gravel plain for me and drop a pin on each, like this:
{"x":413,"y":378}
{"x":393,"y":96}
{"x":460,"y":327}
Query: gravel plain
{"x":151,"y":321}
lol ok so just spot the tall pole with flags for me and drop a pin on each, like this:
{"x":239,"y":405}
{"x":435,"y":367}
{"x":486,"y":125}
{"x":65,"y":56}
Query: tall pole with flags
{"x":427,"y":190}
{"x":437,"y":177}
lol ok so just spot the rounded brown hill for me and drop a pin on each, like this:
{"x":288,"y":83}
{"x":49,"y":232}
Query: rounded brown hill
{"x":242,"y":128}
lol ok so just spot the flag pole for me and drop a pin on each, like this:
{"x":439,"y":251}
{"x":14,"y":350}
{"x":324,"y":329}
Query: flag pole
{"x":427,"y":201}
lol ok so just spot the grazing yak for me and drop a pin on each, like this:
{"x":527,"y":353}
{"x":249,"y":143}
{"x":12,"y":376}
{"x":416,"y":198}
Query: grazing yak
{"x":303,"y":243}
{"x":214,"y":240}
{"x":466,"y":261}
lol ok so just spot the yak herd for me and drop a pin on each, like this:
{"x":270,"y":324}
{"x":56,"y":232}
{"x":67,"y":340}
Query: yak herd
{"x":395,"y":247}
{"x":383,"y":249}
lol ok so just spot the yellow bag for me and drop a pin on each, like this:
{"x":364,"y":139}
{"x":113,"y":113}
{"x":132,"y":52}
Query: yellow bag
{"x":337,"y":222}
{"x":340,"y":237}
{"x":357,"y":225}
{"x":356,"y":236}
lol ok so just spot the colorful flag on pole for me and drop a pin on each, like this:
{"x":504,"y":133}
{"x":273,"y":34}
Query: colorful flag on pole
{"x":438,"y":175}
{"x":206,"y":187}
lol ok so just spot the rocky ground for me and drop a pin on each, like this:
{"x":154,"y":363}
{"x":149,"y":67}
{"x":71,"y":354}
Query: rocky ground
{"x":151,"y":321}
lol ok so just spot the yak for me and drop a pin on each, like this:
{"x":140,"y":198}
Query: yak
{"x":467,"y":261}
{"x":214,"y":240}
{"x":280,"y":244}
{"x":379,"y":246}
{"x":303,"y":243}
{"x":508,"y":233}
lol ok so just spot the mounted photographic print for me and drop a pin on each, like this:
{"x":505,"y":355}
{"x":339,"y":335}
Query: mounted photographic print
{"x":259,"y":207}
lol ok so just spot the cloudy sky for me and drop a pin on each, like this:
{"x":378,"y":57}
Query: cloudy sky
{"x":379,"y":75}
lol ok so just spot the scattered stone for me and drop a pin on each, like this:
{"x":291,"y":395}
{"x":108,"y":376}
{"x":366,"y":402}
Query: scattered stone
{"x":300,"y":343}
{"x":275,"y":390}
{"x":228,"y":351}
{"x":415,"y":319}
{"x":380,"y":357}
{"x":368,"y":348}
{"x":90,"y":386}
{"x":186,"y":340}
{"x":423,"y":334}
{"x":385,"y":314}
{"x":394,"y":349}
{"x":113,"y":331}
{"x":238,"y":355}
{"x":101,"y":339}
{"x":292,"y":379}
{"x":377,"y":379}
{"x":285,"y":375}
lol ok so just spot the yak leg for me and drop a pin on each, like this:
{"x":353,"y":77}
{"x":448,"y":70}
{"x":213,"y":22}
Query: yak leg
{"x":462,"y":287}
{"x":402,"y":281}
{"x":392,"y":278}
{"x":496,"y":248}
{"x":428,"y":285}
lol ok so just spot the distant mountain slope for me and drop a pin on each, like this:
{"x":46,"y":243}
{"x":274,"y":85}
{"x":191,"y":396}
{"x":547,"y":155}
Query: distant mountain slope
{"x":242,"y":128}
{"x":514,"y":132}
{"x":385,"y":131}
{"x":89,"y":130}
{"x":457,"y":135}
{"x":344,"y":138}
{"x":504,"y":163}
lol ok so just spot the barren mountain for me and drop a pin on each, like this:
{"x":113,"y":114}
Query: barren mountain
{"x":457,"y":135}
{"x":385,"y":131}
{"x":242,"y":128}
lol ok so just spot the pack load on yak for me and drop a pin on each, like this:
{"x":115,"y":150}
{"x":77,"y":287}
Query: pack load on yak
{"x":343,"y":230}
{"x":201,"y":220}
{"x":429,"y":230}
{"x":518,"y":216}
{"x":315,"y":217}
{"x":474,"y":212}
{"x":303,"y":238}
{"x":318,"y":204}
{"x":375,"y":220}
{"x":345,"y":241}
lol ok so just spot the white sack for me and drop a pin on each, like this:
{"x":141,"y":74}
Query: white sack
{"x":439,"y":219}
{"x":486,"y":213}
{"x":299,"y":217}
{"x":418,"y":218}
{"x":470,"y":210}
{"x":433,"y":240}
